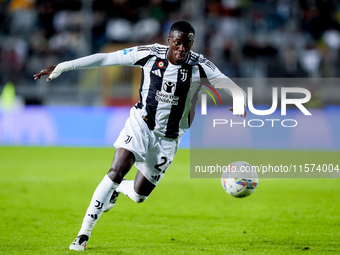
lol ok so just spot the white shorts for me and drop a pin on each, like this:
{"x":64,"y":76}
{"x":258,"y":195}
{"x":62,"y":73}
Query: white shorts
{"x":153,"y":152}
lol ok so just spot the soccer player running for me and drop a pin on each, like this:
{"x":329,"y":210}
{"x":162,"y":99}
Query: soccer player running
{"x":153,"y":131}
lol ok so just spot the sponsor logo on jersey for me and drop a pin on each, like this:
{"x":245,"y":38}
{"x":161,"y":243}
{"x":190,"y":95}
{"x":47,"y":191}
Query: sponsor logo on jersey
{"x":166,"y":98}
{"x":169,"y":87}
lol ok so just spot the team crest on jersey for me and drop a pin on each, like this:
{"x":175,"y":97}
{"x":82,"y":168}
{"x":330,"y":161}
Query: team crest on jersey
{"x":160,"y":64}
{"x":169,"y":87}
{"x":184,"y":73}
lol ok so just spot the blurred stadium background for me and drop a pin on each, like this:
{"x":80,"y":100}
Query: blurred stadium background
{"x":245,"y":39}
{"x":46,"y":188}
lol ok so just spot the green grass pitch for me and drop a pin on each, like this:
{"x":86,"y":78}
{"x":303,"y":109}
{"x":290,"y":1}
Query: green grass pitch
{"x":44,"y":193}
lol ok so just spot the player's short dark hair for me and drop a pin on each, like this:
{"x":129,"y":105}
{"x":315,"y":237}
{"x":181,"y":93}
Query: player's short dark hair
{"x":182,"y":26}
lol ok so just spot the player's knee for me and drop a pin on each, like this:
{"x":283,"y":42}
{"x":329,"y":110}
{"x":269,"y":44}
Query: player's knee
{"x":115,"y":176}
{"x":122,"y":163}
{"x":117,"y":173}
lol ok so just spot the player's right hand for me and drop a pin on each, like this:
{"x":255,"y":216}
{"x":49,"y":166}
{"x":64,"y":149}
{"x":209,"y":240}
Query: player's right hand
{"x":46,"y":71}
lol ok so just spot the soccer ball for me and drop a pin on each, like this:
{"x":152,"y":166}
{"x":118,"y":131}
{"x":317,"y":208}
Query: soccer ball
{"x":240,"y":179}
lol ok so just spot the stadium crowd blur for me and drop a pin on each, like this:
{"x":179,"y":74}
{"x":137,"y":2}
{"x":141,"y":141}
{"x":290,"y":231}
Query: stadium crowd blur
{"x":261,"y":38}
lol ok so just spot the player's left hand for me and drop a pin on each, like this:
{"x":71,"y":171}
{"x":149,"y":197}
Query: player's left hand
{"x":242,"y":115}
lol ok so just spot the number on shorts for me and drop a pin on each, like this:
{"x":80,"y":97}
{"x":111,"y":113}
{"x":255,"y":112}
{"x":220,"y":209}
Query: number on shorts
{"x":158,"y":166}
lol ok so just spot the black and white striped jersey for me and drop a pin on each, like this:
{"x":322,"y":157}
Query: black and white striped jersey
{"x":166,"y":92}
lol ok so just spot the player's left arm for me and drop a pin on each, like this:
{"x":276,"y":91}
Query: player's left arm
{"x":218,"y":79}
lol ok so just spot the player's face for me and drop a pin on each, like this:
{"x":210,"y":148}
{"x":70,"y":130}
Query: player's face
{"x":180,"y":44}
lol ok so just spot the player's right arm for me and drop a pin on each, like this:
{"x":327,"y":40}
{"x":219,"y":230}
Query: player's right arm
{"x":46,"y":71}
{"x":126,"y":57}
